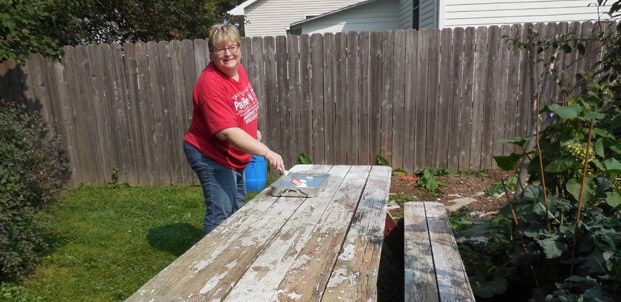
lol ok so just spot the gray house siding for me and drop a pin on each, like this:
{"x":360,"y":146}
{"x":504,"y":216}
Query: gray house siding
{"x":372,"y":16}
{"x":473,"y":13}
{"x":406,"y":7}
{"x":428,"y":14}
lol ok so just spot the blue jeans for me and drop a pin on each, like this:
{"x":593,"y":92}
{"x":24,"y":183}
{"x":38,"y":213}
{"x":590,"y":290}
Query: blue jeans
{"x":224,"y":189}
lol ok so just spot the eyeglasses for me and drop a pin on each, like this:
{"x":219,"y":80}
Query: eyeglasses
{"x":221,"y":51}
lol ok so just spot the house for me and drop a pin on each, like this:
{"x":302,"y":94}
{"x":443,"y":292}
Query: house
{"x":370,"y":15}
{"x":459,"y":13}
{"x":280,"y":17}
{"x":274,"y":17}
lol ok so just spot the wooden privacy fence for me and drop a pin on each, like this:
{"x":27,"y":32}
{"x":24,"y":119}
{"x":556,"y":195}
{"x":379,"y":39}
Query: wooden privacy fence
{"x":438,"y":98}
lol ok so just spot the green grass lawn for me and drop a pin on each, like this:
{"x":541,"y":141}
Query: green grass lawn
{"x":107,"y":242}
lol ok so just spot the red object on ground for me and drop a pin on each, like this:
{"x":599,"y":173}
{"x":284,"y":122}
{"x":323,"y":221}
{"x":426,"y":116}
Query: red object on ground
{"x":409,"y":178}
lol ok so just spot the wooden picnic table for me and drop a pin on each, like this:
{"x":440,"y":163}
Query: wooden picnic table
{"x":324,"y":248}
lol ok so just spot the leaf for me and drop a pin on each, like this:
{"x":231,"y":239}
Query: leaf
{"x":596,"y":294}
{"x":381,"y":160}
{"x":599,"y":147}
{"x":573,"y":187}
{"x":399,"y":172}
{"x":304,"y":159}
{"x":599,"y":132}
{"x":612,"y":166}
{"x":508,"y":163}
{"x":568,"y":112}
{"x":592,"y":116}
{"x":613,"y":199}
{"x":559,"y":165}
{"x":616,"y":147}
{"x":552,"y":247}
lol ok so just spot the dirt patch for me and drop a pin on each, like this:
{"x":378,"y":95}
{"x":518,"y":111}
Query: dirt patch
{"x":472,"y":185}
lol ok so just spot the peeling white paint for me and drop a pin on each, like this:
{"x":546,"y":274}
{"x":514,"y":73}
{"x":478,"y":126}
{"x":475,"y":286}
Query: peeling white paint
{"x":348,"y":253}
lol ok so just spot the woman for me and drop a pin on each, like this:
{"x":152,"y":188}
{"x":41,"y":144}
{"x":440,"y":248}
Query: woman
{"x":223,"y":134}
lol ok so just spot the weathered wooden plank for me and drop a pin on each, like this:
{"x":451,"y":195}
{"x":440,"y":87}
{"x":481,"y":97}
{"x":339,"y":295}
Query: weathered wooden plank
{"x":123,"y":135}
{"x":354,"y":276}
{"x":107,"y":109}
{"x":133,"y":103}
{"x":500,"y":93}
{"x":513,"y":95}
{"x":341,"y":130}
{"x":169,"y":120}
{"x":420,"y":273}
{"x":453,"y":284}
{"x":559,"y":65}
{"x":353,"y":98}
{"x":398,"y":100}
{"x":491,"y":97}
{"x":146,"y":112}
{"x":318,"y":102}
{"x":257,"y":68}
{"x":178,"y":112}
{"x":375,"y":93}
{"x":67,"y":128}
{"x":422,"y":75}
{"x":411,"y":90}
{"x":75,"y":129}
{"x":444,"y":97}
{"x":479,"y":96}
{"x":329,"y":86}
{"x":262,"y":280}
{"x":102,"y":82}
{"x":365,"y":155}
{"x":268,"y":110}
{"x":205,"y":271}
{"x":387,"y":94}
{"x":305,"y":98}
{"x":455,"y":99}
{"x":433,"y":101}
{"x":154,"y":102}
{"x":526,"y":73}
{"x":282,"y":80}
{"x":292,"y":125}
{"x":98,"y":113}
{"x":467,"y":82}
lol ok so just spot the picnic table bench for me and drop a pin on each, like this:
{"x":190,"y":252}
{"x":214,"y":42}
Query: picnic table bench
{"x":433,"y":267}
{"x":325,"y":248}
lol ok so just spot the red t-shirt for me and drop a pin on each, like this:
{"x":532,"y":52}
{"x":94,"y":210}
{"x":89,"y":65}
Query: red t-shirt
{"x":220,"y":103}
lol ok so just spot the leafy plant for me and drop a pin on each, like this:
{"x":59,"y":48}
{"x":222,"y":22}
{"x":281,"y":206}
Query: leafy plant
{"x":380,"y":160}
{"x":427,"y":180}
{"x":499,"y":187}
{"x":304,"y":159}
{"x":33,"y":170}
{"x":564,"y":228}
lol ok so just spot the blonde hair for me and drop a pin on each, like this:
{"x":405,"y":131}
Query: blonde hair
{"x":221,"y":34}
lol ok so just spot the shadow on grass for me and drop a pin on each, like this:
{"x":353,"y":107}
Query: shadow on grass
{"x":174,"y":238}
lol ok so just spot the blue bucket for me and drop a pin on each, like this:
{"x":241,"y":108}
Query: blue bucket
{"x":256,"y":174}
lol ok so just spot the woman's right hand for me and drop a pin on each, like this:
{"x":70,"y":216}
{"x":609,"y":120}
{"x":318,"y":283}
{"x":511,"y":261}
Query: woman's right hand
{"x":275,"y":160}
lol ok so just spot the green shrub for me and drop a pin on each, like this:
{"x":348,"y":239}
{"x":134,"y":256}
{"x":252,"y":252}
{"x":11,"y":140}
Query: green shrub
{"x":33,"y":170}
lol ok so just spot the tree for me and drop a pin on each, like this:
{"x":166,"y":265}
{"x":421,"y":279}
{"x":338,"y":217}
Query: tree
{"x":32,"y":26}
{"x":152,"y":20}
{"x":44,"y":26}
